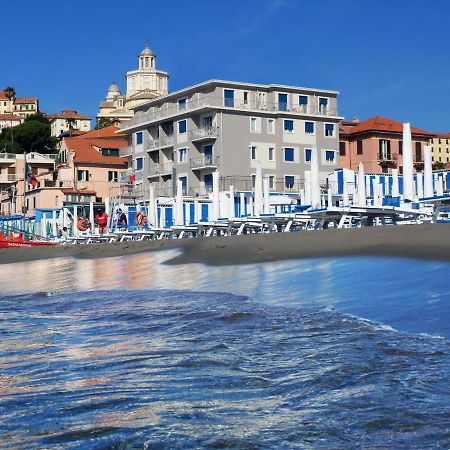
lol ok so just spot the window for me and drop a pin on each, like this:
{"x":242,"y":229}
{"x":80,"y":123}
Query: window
{"x":329,"y":156}
{"x":207,"y":122}
{"x":253,"y":180}
{"x":139,"y":163}
{"x":302,"y":100}
{"x":289,"y":154}
{"x":110,"y":151}
{"x":182,"y":155}
{"x":181,"y":127}
{"x":271,"y":153}
{"x":245,"y":98}
{"x":270,"y":126}
{"x":82,"y":175}
{"x":183,"y":184}
{"x":254,"y":124}
{"x":288,"y":126}
{"x":253,"y":152}
{"x":308,"y":155}
{"x":113,"y":175}
{"x":182,"y":104}
{"x":282,"y":102}
{"x":342,"y":148}
{"x":323,"y":105}
{"x":289,"y":181}
{"x":139,"y":138}
{"x":228,"y":98}
{"x":309,"y":127}
{"x":329,"y":129}
{"x":359,"y":147}
{"x":271,"y":182}
{"x":400,"y":147}
{"x":418,"y":151}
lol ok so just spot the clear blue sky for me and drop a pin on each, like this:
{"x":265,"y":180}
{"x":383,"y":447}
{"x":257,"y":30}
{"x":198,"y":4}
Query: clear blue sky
{"x":389,"y":57}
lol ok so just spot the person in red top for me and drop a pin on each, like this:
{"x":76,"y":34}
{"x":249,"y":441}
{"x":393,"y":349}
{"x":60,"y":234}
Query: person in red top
{"x":102,"y":220}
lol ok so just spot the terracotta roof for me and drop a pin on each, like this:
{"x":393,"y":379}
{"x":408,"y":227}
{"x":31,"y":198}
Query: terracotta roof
{"x":3,"y":95}
{"x":26,"y":100}
{"x":443,"y":135}
{"x":10,"y":117}
{"x":380,"y":123}
{"x":107,"y":132}
{"x":85,"y":151}
{"x":68,"y":114}
{"x":78,"y":191}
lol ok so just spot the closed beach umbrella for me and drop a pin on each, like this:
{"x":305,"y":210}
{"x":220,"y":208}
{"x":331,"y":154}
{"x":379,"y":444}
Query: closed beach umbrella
{"x":259,"y":202}
{"x":395,"y":187}
{"x":307,"y":187}
{"x":75,"y":220}
{"x":215,"y":197}
{"x":408,"y":169}
{"x":361,"y":185}
{"x":266,"y":189}
{"x":231,"y":204}
{"x":91,"y":216}
{"x":330,"y":198}
{"x":108,"y":212}
{"x":54,"y":227}
{"x":250,"y":210}
{"x":315,"y":180}
{"x":345,"y":198}
{"x":440,"y":186}
{"x":178,"y":219}
{"x":242,"y":204}
{"x":152,"y":207}
{"x":428,"y":172}
{"x":420,"y":184}
{"x":44,"y":225}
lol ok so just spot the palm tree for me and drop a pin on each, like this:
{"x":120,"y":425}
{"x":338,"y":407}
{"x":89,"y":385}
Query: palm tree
{"x":10,"y":94}
{"x":70,"y":122}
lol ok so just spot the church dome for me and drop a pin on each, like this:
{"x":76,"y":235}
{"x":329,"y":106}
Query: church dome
{"x":113,"y":88}
{"x":147,"y":52}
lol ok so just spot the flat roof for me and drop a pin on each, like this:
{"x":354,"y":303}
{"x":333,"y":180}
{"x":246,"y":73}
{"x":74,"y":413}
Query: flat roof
{"x":232,"y":83}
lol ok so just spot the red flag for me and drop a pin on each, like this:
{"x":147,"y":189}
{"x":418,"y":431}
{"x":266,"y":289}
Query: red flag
{"x":30,"y":176}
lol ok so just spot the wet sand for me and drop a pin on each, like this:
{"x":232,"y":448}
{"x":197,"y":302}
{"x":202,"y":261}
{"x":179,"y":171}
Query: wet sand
{"x":430,"y":241}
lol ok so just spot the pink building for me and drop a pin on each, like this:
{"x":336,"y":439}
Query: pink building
{"x":377,"y":142}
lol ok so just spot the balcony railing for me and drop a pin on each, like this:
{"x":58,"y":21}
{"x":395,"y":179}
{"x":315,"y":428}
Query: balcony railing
{"x":126,"y":151}
{"x":165,"y":141}
{"x":160,"y":169}
{"x":204,"y":161}
{"x":245,"y":184}
{"x":167,"y":110}
{"x":9,"y":157}
{"x":8,"y":178}
{"x":387,"y":157}
{"x":203,"y":134}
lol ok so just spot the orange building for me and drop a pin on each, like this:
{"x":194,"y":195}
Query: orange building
{"x":377,"y":142}
{"x":88,"y":169}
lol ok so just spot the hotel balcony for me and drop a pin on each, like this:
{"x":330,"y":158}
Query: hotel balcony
{"x":156,"y":170}
{"x":206,"y":102}
{"x":7,"y":157}
{"x":204,"y":162}
{"x":7,"y":178}
{"x":163,"y":142}
{"x":203,"y":134}
{"x":125,"y":152}
{"x":386,"y":159}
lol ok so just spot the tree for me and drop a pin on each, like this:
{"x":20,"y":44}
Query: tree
{"x":29,"y":136}
{"x":438,"y":165}
{"x":10,"y":94}
{"x":70,"y":122}
{"x":103,"y":122}
{"x":39,"y":117}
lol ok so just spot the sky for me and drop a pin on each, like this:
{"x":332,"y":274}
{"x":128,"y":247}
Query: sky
{"x":389,"y":57}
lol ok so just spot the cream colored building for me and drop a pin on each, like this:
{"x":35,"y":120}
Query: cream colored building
{"x":61,"y":122}
{"x":441,"y":147}
{"x":20,"y":106}
{"x":143,"y":84}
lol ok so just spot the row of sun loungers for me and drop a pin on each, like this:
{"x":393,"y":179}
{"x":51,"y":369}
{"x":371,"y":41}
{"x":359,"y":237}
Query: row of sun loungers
{"x":337,"y":217}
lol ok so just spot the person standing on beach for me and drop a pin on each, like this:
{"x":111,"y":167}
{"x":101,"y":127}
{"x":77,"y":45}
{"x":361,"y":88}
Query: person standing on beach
{"x":102,"y":220}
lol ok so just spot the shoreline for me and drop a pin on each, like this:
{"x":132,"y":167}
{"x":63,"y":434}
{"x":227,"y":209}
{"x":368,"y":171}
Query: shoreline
{"x":428,"y":241}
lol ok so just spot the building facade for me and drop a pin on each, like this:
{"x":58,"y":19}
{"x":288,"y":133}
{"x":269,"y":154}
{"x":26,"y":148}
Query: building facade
{"x":377,"y":143}
{"x":143,"y":84}
{"x":20,"y":106}
{"x":440,"y":145}
{"x":229,"y":127}
{"x":68,"y":120}
{"x":9,"y":120}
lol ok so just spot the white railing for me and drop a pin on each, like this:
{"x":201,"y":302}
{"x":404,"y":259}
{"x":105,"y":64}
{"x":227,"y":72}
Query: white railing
{"x":7,"y":156}
{"x":166,"y":141}
{"x":160,"y":169}
{"x":203,"y":133}
{"x":204,"y":161}
{"x":8,"y":178}
{"x":206,"y":101}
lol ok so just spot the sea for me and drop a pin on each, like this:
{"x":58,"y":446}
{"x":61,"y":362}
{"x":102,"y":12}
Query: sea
{"x":131,"y":353}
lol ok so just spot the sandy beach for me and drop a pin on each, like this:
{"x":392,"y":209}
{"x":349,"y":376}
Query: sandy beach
{"x":430,"y":241}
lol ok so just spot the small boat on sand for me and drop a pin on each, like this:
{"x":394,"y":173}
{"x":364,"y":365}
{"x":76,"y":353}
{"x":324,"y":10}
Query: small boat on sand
{"x":18,"y":241}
